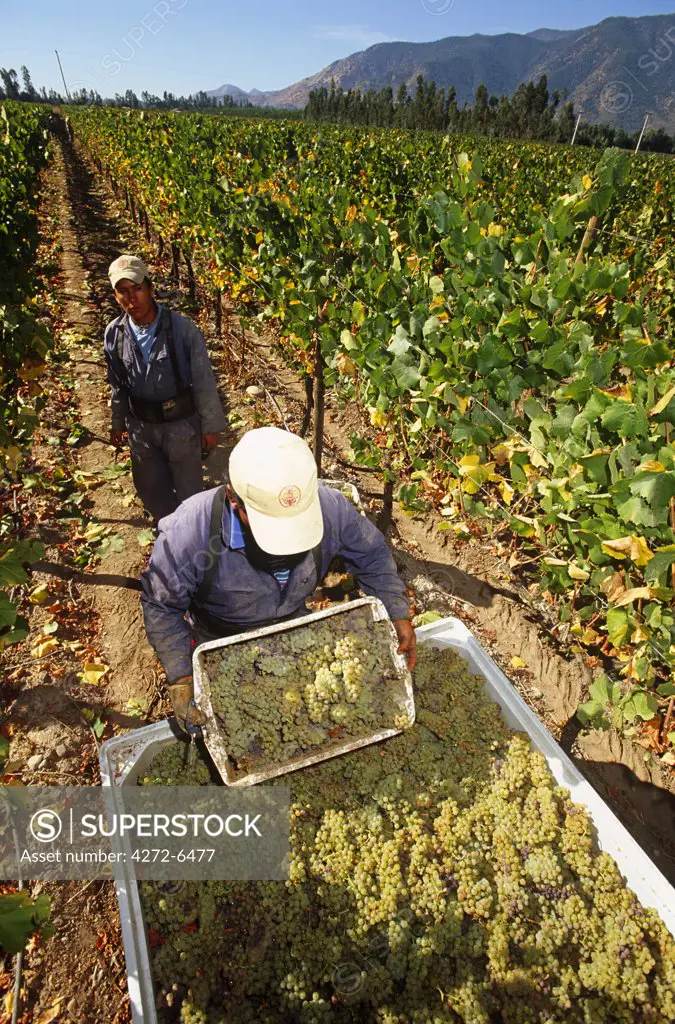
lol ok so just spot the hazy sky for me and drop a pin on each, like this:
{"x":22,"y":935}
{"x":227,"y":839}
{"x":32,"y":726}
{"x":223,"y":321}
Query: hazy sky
{"x":186,"y":45}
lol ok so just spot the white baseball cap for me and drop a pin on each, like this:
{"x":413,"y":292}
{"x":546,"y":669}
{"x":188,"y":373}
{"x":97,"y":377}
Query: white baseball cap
{"x":127,"y":266}
{"x":274,"y":474}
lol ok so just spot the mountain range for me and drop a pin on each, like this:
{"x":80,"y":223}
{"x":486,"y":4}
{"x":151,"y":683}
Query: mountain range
{"x":614,"y":71}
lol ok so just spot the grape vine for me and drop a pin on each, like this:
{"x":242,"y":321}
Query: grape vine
{"x":511,"y":344}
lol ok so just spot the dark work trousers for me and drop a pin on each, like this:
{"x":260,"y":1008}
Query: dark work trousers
{"x":166,"y":462}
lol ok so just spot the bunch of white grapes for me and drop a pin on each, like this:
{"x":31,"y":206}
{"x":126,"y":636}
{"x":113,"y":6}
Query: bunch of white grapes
{"x":296,"y":691}
{"x":440,"y":876}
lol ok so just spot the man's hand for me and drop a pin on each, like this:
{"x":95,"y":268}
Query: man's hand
{"x":117,"y":437}
{"x":209,"y":441}
{"x":181,"y":693}
{"x":407,"y":640}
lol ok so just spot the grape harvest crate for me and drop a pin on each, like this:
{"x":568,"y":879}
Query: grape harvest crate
{"x":400,"y":695}
{"x":125,"y":758}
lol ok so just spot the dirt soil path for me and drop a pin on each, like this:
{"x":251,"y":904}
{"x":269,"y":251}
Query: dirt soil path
{"x":79,"y":975}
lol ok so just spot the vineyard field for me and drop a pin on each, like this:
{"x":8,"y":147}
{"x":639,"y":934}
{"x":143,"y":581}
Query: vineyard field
{"x":516,"y":367}
{"x":24,"y":340}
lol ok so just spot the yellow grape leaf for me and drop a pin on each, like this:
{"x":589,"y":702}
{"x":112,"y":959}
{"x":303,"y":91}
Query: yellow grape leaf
{"x":632,"y":547}
{"x":589,"y":636}
{"x":613,"y":586}
{"x":633,"y":595}
{"x":473,"y":474}
{"x":650,"y":466}
{"x":94,"y":531}
{"x":663,"y":402}
{"x":495,"y":230}
{"x":93,"y":672}
{"x":577,"y":573}
{"x":517,"y":662}
{"x":555,"y":561}
{"x":39,"y":595}
{"x":344,"y":364}
{"x":31,"y":369}
{"x":44,"y":648}
{"x":504,"y":452}
{"x":587,"y":181}
{"x":530,"y":526}
{"x":86,"y":480}
{"x":621,"y":392}
{"x":463,"y":401}
{"x":12,"y":457}
{"x":51,"y":1014}
{"x":506,"y":491}
{"x":377,"y":418}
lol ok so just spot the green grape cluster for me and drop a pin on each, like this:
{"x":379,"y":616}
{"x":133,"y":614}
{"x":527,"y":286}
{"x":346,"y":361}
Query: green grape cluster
{"x":441,"y":876}
{"x":298,"y":691}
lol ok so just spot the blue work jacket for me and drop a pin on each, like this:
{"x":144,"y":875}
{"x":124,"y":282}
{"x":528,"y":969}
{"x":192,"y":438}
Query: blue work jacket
{"x":243,"y":594}
{"x":154,"y":379}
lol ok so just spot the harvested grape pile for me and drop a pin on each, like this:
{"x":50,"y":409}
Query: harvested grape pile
{"x":439,"y":876}
{"x":306,"y":689}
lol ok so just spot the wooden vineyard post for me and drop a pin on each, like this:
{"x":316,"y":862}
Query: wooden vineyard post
{"x":218,"y":309}
{"x":319,"y":398}
{"x":309,"y":404}
{"x":385,"y":516}
{"x":160,"y":246}
{"x":146,"y":224}
{"x":132,"y":205}
{"x":587,"y":239}
{"x":192,"y":284}
{"x":175,"y":273}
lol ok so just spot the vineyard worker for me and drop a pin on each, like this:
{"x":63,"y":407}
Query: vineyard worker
{"x":164,"y":392}
{"x":247,"y":554}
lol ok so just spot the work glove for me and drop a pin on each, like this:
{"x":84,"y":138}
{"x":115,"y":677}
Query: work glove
{"x":189,"y":716}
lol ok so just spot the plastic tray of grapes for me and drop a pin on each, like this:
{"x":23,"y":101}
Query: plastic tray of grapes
{"x":126,"y":759}
{"x":286,"y":696}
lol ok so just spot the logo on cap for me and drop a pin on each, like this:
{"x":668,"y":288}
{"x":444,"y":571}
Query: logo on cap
{"x":290,"y":496}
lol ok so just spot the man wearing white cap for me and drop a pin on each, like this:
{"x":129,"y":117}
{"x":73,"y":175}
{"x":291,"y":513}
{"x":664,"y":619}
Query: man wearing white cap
{"x":164,"y":393}
{"x":247,"y":554}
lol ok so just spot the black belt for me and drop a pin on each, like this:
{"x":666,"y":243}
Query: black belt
{"x":177,"y":408}
{"x":219,"y":628}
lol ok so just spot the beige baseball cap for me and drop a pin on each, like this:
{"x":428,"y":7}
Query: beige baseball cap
{"x":274,"y":474}
{"x":127,"y":266}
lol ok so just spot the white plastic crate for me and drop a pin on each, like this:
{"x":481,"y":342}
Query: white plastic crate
{"x":124,"y":758}
{"x":400,"y":697}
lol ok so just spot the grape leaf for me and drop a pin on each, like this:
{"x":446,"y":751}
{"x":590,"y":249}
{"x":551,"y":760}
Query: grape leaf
{"x":20,"y":916}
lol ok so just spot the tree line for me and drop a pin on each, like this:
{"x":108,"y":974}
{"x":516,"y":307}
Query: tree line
{"x":14,"y":89}
{"x":530,"y":112}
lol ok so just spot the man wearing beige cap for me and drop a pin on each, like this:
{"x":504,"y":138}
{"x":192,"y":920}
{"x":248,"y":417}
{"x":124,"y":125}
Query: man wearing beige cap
{"x":248,"y":554}
{"x":164,"y":392}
